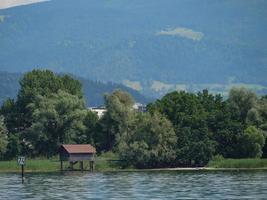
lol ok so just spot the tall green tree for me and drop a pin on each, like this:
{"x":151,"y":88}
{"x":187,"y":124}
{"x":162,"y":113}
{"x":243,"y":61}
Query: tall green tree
{"x":189,"y":118}
{"x":194,"y":146}
{"x":33,"y":84}
{"x":149,"y":143}
{"x":13,"y":148}
{"x":181,"y":108}
{"x":19,"y":114}
{"x":262,"y":110}
{"x":58,"y":118}
{"x":90,"y":122}
{"x":13,"y":116}
{"x":223,"y":124}
{"x":3,"y":137}
{"x":116,"y":120}
{"x":242,"y":101}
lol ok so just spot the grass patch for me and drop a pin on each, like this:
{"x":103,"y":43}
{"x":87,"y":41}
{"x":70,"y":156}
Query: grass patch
{"x":109,"y":162}
{"x":31,"y":165}
{"x":105,"y":162}
{"x":249,"y":163}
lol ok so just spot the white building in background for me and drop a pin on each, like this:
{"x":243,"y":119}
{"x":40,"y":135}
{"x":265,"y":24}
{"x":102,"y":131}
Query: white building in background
{"x":100,"y":111}
{"x":139,"y":107}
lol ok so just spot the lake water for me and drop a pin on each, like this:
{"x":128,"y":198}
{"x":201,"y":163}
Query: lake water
{"x":136,"y":185}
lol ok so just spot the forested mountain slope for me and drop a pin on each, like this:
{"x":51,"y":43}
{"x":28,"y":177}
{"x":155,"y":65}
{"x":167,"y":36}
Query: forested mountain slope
{"x":93,"y":90}
{"x":154,"y":46}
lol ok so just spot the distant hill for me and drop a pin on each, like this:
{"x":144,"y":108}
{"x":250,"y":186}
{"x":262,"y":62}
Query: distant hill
{"x":93,"y":91}
{"x":9,"y":85}
{"x":153,"y":46}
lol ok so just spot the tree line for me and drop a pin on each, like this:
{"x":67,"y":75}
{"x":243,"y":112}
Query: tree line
{"x":180,"y":129}
{"x":92,"y":90}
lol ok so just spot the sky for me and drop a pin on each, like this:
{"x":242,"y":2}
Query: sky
{"x":12,"y":3}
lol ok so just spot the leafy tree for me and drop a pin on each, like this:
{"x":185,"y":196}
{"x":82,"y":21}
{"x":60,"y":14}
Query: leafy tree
{"x":228,"y":139}
{"x":116,"y":120}
{"x":149,"y":143}
{"x":222,"y":123}
{"x":189,"y":118}
{"x":37,"y":82}
{"x":58,"y":118}
{"x":13,"y":124}
{"x":254,"y":117}
{"x":19,"y":114}
{"x":33,"y":84}
{"x":194,"y":146}
{"x":210,"y":102}
{"x":13,"y":117}
{"x":71,"y":85}
{"x":262,"y":109}
{"x":90,"y":122}
{"x":181,"y":108}
{"x":242,"y":101}
{"x":3,"y":137}
{"x":13,"y":147}
{"x":44,"y":83}
{"x":252,"y":143}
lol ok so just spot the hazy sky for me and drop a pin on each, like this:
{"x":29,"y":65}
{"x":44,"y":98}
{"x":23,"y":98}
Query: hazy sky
{"x":12,"y":3}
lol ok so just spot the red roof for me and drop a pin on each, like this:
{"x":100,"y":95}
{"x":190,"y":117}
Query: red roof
{"x":79,"y":148}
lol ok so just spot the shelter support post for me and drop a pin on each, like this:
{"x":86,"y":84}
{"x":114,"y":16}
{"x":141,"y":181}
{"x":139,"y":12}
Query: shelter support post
{"x":81,"y":165}
{"x":61,"y":165}
{"x":91,"y":165}
{"x":71,"y":165}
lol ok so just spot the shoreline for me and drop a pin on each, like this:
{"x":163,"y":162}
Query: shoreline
{"x":104,"y":166}
{"x":204,"y":169}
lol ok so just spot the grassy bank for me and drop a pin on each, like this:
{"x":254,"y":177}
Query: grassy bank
{"x":238,"y":163}
{"x":41,"y":165}
{"x":38,"y":165}
{"x":105,"y":162}
{"x":109,"y":163}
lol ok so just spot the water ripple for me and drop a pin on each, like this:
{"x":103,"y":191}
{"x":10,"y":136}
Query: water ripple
{"x":136,"y":185}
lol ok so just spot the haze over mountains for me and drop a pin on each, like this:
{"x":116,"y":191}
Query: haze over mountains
{"x":153,"y":46}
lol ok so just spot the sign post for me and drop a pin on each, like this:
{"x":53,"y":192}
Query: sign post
{"x":21,"y":162}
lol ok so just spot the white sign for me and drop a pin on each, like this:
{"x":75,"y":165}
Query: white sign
{"x":21,"y":160}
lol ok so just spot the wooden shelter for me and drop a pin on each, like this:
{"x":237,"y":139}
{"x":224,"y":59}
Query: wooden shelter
{"x":75,"y":153}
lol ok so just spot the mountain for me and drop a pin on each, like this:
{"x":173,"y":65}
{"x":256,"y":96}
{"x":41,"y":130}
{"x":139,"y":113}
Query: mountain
{"x":93,"y":90}
{"x":9,"y":85}
{"x":153,"y":46}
